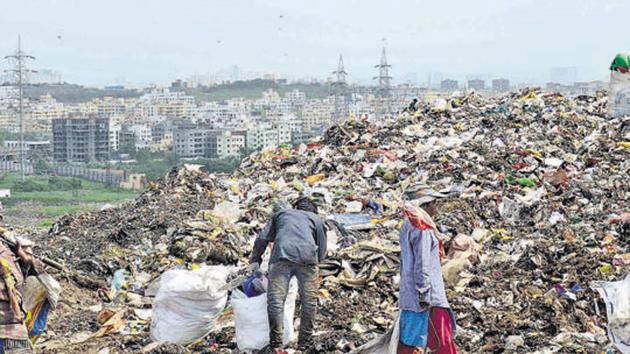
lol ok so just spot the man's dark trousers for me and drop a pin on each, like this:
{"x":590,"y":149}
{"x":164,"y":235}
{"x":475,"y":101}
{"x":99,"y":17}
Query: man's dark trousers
{"x":280,"y":274}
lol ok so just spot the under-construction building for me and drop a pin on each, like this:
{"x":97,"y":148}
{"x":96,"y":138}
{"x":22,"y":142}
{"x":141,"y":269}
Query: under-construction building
{"x":83,"y":139}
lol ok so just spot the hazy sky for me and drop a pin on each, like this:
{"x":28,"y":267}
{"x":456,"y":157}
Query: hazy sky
{"x":97,"y":42}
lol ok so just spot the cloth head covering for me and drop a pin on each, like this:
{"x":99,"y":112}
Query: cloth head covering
{"x":419,"y":218}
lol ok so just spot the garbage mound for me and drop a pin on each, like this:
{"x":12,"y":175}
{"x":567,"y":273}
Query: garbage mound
{"x":535,"y":211}
{"x":163,"y":220}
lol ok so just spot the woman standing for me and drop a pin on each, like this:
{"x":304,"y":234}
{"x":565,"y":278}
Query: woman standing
{"x":426,"y":319}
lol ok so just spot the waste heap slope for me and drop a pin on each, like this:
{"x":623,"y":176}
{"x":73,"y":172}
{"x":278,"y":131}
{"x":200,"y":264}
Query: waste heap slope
{"x":537,"y":186}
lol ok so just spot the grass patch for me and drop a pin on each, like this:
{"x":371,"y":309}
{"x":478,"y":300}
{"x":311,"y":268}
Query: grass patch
{"x":86,"y":192}
{"x":46,"y":223}
{"x":42,"y":208}
{"x":60,"y":197}
{"x":55,"y":211}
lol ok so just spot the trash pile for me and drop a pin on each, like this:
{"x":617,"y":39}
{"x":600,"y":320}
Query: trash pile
{"x":536,"y":212}
{"x":175,"y":217}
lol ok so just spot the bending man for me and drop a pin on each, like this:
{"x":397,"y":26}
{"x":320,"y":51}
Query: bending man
{"x":299,"y":244}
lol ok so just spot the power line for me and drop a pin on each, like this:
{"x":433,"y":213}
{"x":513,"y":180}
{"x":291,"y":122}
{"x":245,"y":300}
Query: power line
{"x":19,"y":71}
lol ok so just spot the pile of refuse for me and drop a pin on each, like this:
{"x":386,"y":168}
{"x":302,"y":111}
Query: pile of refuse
{"x":170,"y":218}
{"x":535,"y":213}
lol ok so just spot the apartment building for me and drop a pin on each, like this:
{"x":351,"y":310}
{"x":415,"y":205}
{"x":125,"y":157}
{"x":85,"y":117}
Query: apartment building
{"x":229,"y":144}
{"x":220,"y":115}
{"x":265,"y":134}
{"x":191,"y":140}
{"x":42,"y":111}
{"x":296,"y":98}
{"x":500,"y":85}
{"x":160,"y":130}
{"x":162,"y":102}
{"x":109,"y":107}
{"x":114,"y":136}
{"x":317,"y":113}
{"x":477,"y":85}
{"x":137,"y":135}
{"x":304,"y":136}
{"x":449,"y":85}
{"x":83,"y":139}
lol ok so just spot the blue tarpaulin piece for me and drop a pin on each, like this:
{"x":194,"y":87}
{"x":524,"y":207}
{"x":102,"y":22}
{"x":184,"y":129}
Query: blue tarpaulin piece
{"x":351,"y":219}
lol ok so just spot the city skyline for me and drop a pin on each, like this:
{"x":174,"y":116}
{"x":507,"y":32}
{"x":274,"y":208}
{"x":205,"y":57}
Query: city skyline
{"x":160,"y":41}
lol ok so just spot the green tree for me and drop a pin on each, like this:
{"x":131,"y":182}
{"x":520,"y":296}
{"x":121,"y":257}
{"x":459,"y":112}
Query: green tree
{"x":42,"y":166}
{"x":128,"y":147}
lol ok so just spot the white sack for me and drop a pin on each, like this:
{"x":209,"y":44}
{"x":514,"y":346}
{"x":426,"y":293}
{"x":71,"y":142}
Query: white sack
{"x":187,"y":304}
{"x":251,"y":320}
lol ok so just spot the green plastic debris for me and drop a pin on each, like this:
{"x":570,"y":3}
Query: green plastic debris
{"x":525,"y":182}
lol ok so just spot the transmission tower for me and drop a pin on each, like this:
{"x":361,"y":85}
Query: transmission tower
{"x":383,"y":91}
{"x":20,"y":71}
{"x":340,"y":73}
{"x":340,"y":89}
{"x":384,"y":80}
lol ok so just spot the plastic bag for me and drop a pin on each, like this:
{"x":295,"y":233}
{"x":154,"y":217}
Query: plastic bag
{"x":616,"y":294}
{"x":188,"y":303}
{"x":384,"y":344}
{"x":118,"y":281}
{"x":619,"y":94}
{"x":41,"y":294}
{"x":228,"y":212}
{"x":252,"y":323}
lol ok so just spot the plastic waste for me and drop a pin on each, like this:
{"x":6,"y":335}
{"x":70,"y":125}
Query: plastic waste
{"x":228,"y":211}
{"x":251,"y":320}
{"x":40,"y":295}
{"x":188,"y":303}
{"x":383,"y":344}
{"x":352,"y":221}
{"x":255,"y":285}
{"x":376,"y":207}
{"x":118,"y":280}
{"x":616,"y":295}
{"x":525,"y":182}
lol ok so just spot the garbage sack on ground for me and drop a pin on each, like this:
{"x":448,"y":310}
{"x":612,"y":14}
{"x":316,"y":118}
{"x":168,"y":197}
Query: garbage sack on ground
{"x":252,"y":323}
{"x":616,"y":295}
{"x":386,"y":343}
{"x":188,"y":303}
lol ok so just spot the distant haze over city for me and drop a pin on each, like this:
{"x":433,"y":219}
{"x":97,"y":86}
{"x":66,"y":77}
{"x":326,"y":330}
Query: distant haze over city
{"x":141,"y":42}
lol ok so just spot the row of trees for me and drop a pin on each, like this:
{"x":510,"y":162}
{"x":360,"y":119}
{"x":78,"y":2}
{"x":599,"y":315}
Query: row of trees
{"x":53,"y":183}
